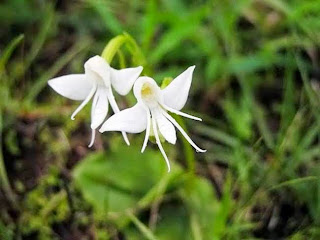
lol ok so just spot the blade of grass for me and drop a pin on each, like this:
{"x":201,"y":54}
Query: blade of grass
{"x":3,"y":61}
{"x":41,"y":37}
{"x":41,"y":82}
{"x":288,"y":104}
{"x":314,"y":101}
{"x":8,"y":51}
{"x":263,"y":126}
{"x":110,"y":21}
{"x":217,"y":135}
{"x":294,"y":181}
{"x":3,"y":173}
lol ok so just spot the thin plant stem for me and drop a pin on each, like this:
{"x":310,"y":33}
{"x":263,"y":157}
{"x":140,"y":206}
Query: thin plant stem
{"x":3,"y":172}
{"x":147,"y":233}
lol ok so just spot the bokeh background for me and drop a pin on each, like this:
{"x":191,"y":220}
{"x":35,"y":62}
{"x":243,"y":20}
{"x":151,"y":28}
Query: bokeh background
{"x":256,"y":86}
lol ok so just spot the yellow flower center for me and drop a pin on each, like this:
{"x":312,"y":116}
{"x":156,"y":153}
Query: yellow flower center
{"x":149,"y":95}
{"x":146,"y":90}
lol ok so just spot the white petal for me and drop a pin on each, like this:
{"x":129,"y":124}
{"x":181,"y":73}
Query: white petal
{"x":99,"y":108}
{"x":93,"y":136}
{"x":116,"y":109}
{"x":131,"y":120}
{"x":73,"y":86}
{"x":146,"y":138}
{"x":154,"y":125}
{"x":85,"y":101}
{"x":166,"y":128}
{"x":180,"y":113}
{"x":123,"y":80}
{"x":176,"y":93}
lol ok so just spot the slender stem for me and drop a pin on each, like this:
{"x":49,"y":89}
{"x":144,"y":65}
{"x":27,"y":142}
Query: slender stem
{"x":3,"y":173}
{"x":112,"y":47}
{"x":147,"y":233}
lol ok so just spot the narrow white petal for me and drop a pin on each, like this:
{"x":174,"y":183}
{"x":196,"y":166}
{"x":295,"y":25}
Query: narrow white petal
{"x":123,"y":80}
{"x":93,"y":131}
{"x":99,"y":108}
{"x":154,"y":125}
{"x":180,"y":113}
{"x":165,"y":126}
{"x":131,"y":120}
{"x":116,"y":109}
{"x":176,"y":93}
{"x":93,"y":135}
{"x":146,"y":138}
{"x":73,"y":86}
{"x":183,"y":132}
{"x":85,"y":101}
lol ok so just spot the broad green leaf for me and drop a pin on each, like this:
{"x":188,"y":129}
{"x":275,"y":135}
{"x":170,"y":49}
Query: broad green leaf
{"x":116,"y":181}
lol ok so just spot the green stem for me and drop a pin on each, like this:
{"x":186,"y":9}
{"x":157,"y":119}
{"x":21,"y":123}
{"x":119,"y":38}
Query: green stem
{"x":147,"y":233}
{"x":112,"y":47}
{"x":195,"y":227}
{"x":3,"y":173}
{"x":125,"y":40}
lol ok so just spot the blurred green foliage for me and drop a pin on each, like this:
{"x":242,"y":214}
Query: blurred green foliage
{"x":256,"y":86}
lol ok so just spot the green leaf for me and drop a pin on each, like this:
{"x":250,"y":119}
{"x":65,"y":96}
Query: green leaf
{"x":201,"y":203}
{"x":116,"y":181}
{"x":173,"y":224}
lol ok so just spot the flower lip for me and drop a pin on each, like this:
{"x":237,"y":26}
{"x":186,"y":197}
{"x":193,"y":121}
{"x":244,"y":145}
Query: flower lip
{"x":147,"y":91}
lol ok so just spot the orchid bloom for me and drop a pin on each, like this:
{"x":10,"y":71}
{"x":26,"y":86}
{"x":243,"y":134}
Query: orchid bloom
{"x":151,"y":110}
{"x":96,"y":83}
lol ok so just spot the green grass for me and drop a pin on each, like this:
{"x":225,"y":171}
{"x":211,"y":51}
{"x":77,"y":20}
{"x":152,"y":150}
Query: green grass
{"x":256,"y":87}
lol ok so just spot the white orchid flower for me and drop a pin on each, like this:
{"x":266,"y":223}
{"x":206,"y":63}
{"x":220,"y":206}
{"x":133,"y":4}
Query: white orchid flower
{"x":151,"y":111}
{"x":96,"y":83}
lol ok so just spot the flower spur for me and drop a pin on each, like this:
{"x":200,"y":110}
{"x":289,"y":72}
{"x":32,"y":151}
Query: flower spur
{"x":151,"y":110}
{"x":96,"y":83}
